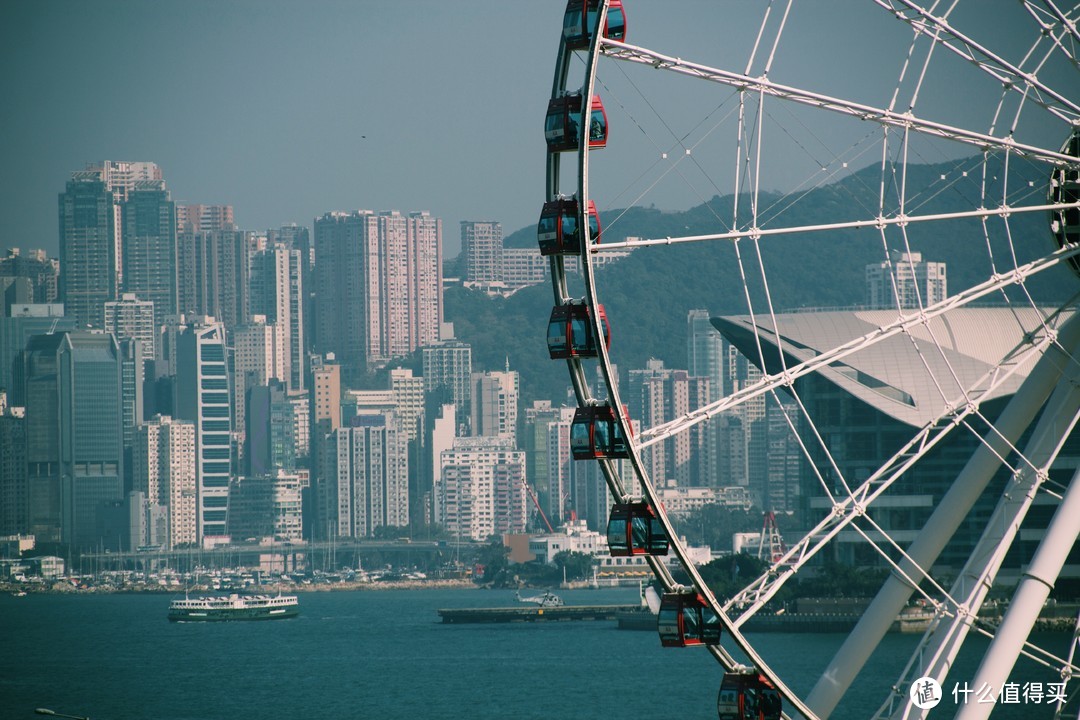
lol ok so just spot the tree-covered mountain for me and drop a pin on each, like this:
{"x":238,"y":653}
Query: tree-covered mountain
{"x":647,"y":296}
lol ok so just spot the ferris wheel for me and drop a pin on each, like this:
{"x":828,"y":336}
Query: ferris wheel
{"x":929,"y":426}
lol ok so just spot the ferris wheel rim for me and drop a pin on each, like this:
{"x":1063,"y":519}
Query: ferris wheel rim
{"x":905,"y":122}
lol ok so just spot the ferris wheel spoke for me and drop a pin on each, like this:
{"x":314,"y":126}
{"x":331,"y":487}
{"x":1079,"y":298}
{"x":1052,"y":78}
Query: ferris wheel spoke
{"x":938,"y":30}
{"x":1067,"y":24}
{"x":898,"y":220}
{"x":663,"y":431}
{"x":764,"y":86}
{"x":847,"y":509}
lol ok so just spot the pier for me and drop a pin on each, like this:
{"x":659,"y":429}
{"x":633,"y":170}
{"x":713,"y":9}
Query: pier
{"x":533,"y":613}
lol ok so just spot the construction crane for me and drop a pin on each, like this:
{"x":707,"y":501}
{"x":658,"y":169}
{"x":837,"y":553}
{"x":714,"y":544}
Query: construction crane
{"x":771,"y":539}
{"x":536,"y":502}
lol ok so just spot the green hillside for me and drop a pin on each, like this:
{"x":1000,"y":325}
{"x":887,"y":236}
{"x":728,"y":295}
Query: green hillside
{"x":648,"y":295}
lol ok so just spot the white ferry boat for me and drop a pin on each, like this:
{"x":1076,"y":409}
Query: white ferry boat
{"x":234,"y":607}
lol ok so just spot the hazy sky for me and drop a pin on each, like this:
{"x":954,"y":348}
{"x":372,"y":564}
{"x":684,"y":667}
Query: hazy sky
{"x":287,"y":110}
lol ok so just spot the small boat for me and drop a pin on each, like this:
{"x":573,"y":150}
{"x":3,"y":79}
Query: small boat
{"x":234,"y":607}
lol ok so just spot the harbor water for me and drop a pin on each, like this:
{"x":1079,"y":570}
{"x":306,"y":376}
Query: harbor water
{"x":384,"y":654}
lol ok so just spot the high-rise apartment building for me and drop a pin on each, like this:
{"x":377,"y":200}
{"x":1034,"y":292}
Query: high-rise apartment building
{"x":270,"y":431}
{"x":448,"y":375}
{"x":259,"y":358}
{"x":425,"y":316}
{"x":483,"y":488}
{"x":88,"y":247}
{"x":91,"y":224}
{"x":202,"y":396}
{"x":37,"y":268}
{"x":298,"y":238}
{"x":704,"y":351}
{"x":14,"y":495}
{"x":495,"y":397}
{"x":213,"y":270}
{"x":547,"y":459}
{"x":379,"y":286}
{"x":371,"y":478}
{"x":347,"y":288}
{"x":443,"y":430}
{"x":74,"y":435}
{"x":149,"y":246}
{"x":277,"y":292}
{"x":165,"y":462}
{"x":657,"y":395}
{"x":133,"y":318}
{"x":24,"y":322}
{"x":482,"y":246}
{"x":905,"y":281}
{"x":132,"y":376}
{"x":408,"y":392}
{"x":195,"y":218}
{"x":325,"y":404}
{"x":266,"y":506}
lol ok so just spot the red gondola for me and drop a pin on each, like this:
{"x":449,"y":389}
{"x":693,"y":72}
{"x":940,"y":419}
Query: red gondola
{"x":748,"y":696}
{"x":570,"y":332}
{"x":578,"y":26}
{"x":634,"y":529}
{"x":685,"y":619}
{"x":562,"y":126}
{"x":595,"y":433}
{"x":558,"y":231}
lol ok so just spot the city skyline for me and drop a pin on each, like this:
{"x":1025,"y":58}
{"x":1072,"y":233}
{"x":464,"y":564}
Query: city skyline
{"x":269,"y":108}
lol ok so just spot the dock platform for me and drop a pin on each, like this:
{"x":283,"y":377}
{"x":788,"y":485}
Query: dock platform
{"x":526,"y":613}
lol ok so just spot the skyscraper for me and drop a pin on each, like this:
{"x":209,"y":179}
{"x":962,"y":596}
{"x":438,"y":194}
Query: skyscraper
{"x":483,"y":488}
{"x":904,"y":281}
{"x":448,"y":374}
{"x":149,"y":247}
{"x":195,"y":218}
{"x":91,"y":232}
{"x":164,"y":470}
{"x":14,"y":507}
{"x":347,"y":288}
{"x":298,"y":238}
{"x":270,"y":432}
{"x":408,"y":392}
{"x":133,"y":318}
{"x":88,"y":248}
{"x":495,"y":404}
{"x":371,"y":479}
{"x":379,"y":286}
{"x":657,"y":395}
{"x":277,"y":292}
{"x":213,"y":274}
{"x":259,"y":358}
{"x":24,"y":322}
{"x":202,"y":396}
{"x":325,"y":406}
{"x":547,"y":458}
{"x":42,"y":272}
{"x":704,"y":351}
{"x":74,"y":434}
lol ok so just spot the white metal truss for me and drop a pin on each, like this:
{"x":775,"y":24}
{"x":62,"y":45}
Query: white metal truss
{"x":850,"y":507}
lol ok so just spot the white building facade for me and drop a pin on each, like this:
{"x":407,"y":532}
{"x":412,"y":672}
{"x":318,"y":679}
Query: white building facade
{"x":164,"y":471}
{"x":483,"y":488}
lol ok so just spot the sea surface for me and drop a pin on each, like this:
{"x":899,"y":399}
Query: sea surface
{"x":385,"y":654}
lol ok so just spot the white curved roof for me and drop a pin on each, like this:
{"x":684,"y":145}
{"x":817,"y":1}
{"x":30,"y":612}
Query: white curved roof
{"x":910,"y":376}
